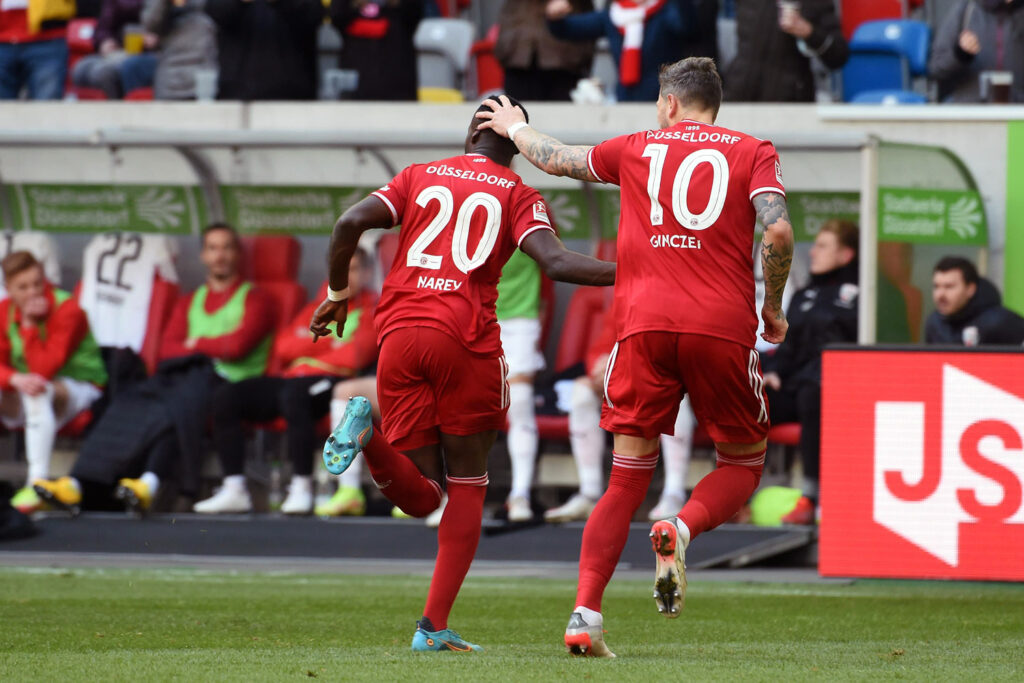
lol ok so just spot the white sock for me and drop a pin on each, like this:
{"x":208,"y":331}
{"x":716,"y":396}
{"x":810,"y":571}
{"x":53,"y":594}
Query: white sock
{"x":590,"y":616}
{"x":337,"y":410}
{"x":40,"y":431}
{"x":522,"y":438}
{"x":684,"y":532}
{"x":151,"y":481}
{"x":675,"y":453}
{"x":353,"y":476}
{"x":234,"y":482}
{"x":587,"y":439}
{"x":301,"y":483}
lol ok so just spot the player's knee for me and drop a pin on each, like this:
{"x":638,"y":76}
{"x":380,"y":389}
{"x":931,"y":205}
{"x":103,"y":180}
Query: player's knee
{"x":751,"y":462}
{"x":583,"y":402}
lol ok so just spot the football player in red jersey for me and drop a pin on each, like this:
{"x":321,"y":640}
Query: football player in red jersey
{"x":684,"y":293}
{"x":442,"y":377}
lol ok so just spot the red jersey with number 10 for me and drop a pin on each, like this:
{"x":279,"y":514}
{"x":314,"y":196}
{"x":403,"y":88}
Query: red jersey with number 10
{"x":461,"y":220}
{"x":686,"y":227}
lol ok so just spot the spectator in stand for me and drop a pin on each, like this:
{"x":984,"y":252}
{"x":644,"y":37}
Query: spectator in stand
{"x":104,"y":70}
{"x":775,"y":44}
{"x":587,"y":440}
{"x":823,"y":312}
{"x":968,"y":308}
{"x":266,"y":48}
{"x":34,"y":48}
{"x":301,"y":395}
{"x":220,"y":333}
{"x":377,"y":44}
{"x":188,"y":42}
{"x":643,"y":35}
{"x":537,"y":65}
{"x":978,"y":36}
{"x":50,"y":365}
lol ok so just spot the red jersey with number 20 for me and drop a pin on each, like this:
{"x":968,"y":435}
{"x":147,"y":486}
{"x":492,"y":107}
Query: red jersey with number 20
{"x":461,"y":220}
{"x":686,"y":227}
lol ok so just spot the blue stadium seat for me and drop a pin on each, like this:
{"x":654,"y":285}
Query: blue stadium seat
{"x":889,"y":97}
{"x":886,"y":55}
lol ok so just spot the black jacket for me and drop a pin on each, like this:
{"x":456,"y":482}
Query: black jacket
{"x":982,"y":321}
{"x":266,"y":49}
{"x":823,"y":312}
{"x":386,"y":63}
{"x":769,"y":66}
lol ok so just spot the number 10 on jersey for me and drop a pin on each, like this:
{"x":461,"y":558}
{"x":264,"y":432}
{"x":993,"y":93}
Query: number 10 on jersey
{"x":657,"y":153}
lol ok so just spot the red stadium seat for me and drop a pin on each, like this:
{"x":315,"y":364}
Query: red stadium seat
{"x":489,"y":74}
{"x":856,"y":12}
{"x":161,"y":304}
{"x":80,"y":43}
{"x":77,"y":426}
{"x":139,"y":95}
{"x":785,"y":434}
{"x":583,"y":320}
{"x":607,"y":250}
{"x":271,"y":257}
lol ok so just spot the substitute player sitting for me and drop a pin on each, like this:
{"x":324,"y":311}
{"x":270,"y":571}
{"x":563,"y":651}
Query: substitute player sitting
{"x":442,"y":378}
{"x":684,"y":297}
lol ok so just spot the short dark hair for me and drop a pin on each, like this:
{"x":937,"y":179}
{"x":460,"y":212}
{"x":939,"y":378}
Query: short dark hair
{"x":845,"y":231}
{"x":18,"y":262}
{"x":966,"y":268}
{"x":693,"y":81}
{"x":515,"y":103}
{"x":220,"y":225}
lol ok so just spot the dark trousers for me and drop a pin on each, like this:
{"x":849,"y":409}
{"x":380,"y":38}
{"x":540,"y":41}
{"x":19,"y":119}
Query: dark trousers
{"x":540,"y":84}
{"x":801,"y":403}
{"x":301,"y":401}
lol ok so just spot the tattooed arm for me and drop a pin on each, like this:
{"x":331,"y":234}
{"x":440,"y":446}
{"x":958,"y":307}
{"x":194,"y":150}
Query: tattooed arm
{"x":776,"y":257}
{"x":543,"y":151}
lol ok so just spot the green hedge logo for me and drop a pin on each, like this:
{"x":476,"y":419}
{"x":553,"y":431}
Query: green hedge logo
{"x":965,"y":217}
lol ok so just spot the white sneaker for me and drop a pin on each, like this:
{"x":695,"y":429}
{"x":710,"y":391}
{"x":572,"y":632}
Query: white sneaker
{"x":433,"y":520}
{"x":586,"y":640}
{"x":519,"y":509}
{"x":667,"y":507}
{"x":299,"y":501}
{"x":576,"y":508}
{"x":226,"y":500}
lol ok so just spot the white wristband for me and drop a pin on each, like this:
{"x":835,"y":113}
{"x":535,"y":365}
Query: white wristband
{"x":515,"y":128}
{"x":334,"y":295}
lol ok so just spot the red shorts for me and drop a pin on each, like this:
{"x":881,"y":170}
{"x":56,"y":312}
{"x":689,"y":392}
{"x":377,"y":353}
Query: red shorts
{"x":428,"y":383}
{"x":649,"y":373}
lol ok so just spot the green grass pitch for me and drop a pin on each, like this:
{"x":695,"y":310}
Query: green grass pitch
{"x":142,"y":625}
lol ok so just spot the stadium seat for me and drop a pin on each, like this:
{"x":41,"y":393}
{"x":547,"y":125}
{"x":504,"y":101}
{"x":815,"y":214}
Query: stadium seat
{"x":80,"y":43}
{"x":785,"y":434}
{"x":442,"y":47}
{"x":139,"y":95}
{"x":856,"y":12}
{"x":583,"y":320}
{"x":487,"y":71}
{"x":885,"y":55}
{"x":271,"y":257}
{"x":889,"y":97}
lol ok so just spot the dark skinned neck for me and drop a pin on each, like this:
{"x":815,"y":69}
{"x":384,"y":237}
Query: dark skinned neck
{"x":494,"y":154}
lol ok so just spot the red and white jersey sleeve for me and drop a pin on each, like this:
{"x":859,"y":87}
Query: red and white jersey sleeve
{"x":604,"y":159}
{"x":686,"y":227}
{"x":461,"y":219}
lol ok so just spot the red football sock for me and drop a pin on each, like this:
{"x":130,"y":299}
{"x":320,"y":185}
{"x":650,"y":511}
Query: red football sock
{"x":607,"y":529}
{"x":399,"y":479}
{"x":719,"y":495}
{"x":457,"y":538}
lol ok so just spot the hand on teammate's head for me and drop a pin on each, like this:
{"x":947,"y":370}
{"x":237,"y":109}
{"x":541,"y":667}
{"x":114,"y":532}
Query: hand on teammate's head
{"x":503,"y":114}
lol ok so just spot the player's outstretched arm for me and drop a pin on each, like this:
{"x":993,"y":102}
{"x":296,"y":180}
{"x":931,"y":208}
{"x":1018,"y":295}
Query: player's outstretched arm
{"x":561,"y":264}
{"x":368,"y":214}
{"x":543,"y":151}
{"x":776,"y":257}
